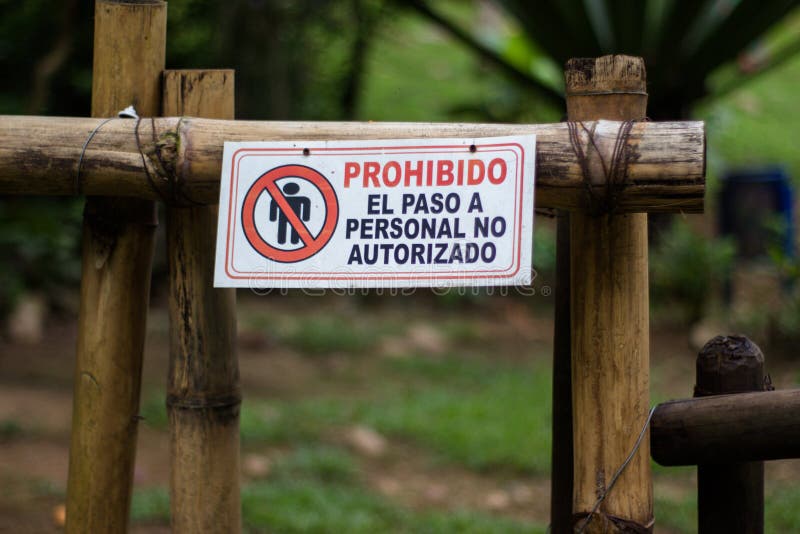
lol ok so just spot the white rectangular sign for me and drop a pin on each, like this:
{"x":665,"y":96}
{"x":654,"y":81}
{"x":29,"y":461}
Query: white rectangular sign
{"x":399,"y":213}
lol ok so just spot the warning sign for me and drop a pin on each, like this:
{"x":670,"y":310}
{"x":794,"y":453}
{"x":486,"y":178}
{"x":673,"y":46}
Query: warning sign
{"x":401,"y":213}
{"x":289,"y":212}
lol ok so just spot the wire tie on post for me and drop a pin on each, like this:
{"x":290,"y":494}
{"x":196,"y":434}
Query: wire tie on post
{"x":127,"y":113}
{"x":619,"y":471}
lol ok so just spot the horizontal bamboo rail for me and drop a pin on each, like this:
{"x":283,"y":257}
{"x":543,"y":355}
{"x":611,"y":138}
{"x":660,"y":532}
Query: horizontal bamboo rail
{"x":41,"y":155}
{"x":741,"y":427}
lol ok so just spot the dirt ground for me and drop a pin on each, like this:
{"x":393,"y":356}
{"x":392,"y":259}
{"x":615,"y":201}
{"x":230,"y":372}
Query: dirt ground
{"x":36,"y":394}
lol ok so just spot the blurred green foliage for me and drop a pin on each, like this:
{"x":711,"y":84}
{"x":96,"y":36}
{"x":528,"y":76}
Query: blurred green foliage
{"x":776,"y":322}
{"x":379,"y":60}
{"x":293,"y":60}
{"x":684,"y":268}
{"x":681,"y":42}
{"x":417,"y":73}
{"x":38,"y":247}
{"x":757,"y":124}
{"x":544,"y":251}
{"x":9,"y":429}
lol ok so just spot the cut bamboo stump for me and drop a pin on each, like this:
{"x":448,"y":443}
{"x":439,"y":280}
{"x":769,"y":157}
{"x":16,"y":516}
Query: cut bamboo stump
{"x":39,"y":156}
{"x":118,"y":238}
{"x":610,"y":321}
{"x":203,"y":384}
{"x":730,"y":497}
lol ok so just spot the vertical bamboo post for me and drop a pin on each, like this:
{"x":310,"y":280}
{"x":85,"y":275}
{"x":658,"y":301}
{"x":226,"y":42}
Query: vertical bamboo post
{"x":730,"y":497}
{"x":561,"y":471}
{"x":203,"y":394}
{"x":118,"y":238}
{"x":610,"y":322}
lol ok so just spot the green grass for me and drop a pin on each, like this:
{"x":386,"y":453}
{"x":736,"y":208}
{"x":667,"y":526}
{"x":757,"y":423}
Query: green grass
{"x":302,"y":507}
{"x":317,"y":489}
{"x":468,"y":413}
{"x":261,"y":421}
{"x":150,"y":505}
{"x":461,"y":331}
{"x":476,"y":414}
{"x":318,"y":462}
{"x":781,"y":514}
{"x":311,"y":507}
{"x":153,"y":409}
{"x":480,"y":415}
{"x":782,"y":509}
{"x":487,"y":417}
{"x":491,"y":417}
{"x":292,"y":422}
{"x":320,"y":334}
{"x":325,"y":335}
{"x":679,"y":515}
{"x":9,"y":429}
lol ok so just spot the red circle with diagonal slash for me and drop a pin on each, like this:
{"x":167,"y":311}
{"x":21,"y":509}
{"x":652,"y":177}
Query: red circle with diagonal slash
{"x":312,"y":244}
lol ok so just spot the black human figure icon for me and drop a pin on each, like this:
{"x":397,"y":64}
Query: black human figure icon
{"x":301,"y":206}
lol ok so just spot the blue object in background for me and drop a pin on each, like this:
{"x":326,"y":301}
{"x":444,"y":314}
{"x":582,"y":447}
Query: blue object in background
{"x":757,"y":209}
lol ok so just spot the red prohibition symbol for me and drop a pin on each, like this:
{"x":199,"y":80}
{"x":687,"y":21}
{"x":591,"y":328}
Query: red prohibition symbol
{"x":311,"y":243}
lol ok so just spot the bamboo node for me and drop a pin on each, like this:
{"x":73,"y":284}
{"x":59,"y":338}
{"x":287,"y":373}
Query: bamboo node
{"x":203,"y":403}
{"x":162,"y":154}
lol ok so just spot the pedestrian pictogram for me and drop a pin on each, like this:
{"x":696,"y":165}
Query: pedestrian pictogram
{"x":301,"y":207}
{"x":279,"y":219}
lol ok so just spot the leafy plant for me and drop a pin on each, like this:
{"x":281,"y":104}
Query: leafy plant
{"x":690,"y":38}
{"x":38,"y":247}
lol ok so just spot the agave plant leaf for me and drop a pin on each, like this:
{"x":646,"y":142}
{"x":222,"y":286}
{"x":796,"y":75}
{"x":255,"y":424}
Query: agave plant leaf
{"x":682,"y":41}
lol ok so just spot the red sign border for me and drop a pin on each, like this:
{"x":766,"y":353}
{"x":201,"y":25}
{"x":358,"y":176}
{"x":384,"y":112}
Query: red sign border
{"x":311,"y":275}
